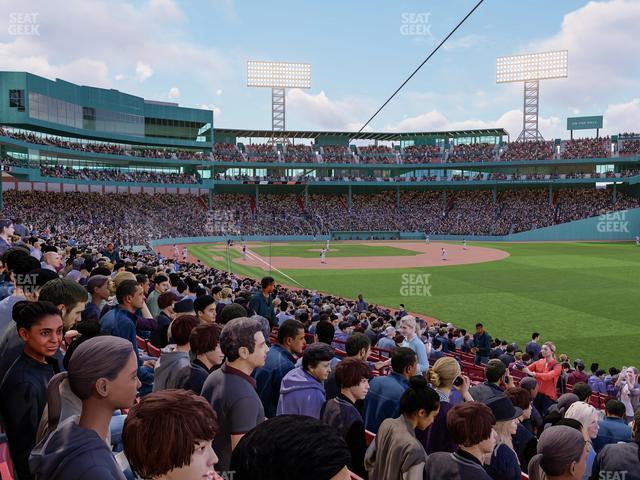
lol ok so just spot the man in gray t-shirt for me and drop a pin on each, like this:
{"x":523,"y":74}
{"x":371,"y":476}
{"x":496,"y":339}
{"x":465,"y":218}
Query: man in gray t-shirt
{"x":231,"y":390}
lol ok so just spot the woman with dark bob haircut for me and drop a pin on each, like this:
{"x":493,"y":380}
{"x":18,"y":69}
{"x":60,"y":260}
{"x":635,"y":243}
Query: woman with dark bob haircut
{"x":168,"y":435}
{"x":396,"y":453}
{"x":291,"y":447}
{"x":470,"y":425}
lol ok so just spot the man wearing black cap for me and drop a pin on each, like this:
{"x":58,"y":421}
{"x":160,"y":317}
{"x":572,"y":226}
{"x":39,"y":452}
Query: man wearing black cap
{"x":184,"y":307}
{"x":6,"y":230}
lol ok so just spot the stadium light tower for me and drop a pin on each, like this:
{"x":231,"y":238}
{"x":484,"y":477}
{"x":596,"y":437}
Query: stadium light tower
{"x":530,"y":69}
{"x":278,"y":76}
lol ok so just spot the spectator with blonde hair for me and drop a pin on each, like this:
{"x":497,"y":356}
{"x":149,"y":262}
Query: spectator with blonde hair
{"x":409,"y":328}
{"x":546,"y":371}
{"x":442,"y":376}
{"x":587,"y":415}
{"x":502,"y":463}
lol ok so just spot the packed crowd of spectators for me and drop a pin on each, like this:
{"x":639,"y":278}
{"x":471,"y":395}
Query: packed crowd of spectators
{"x":529,"y":150}
{"x":299,"y":154}
{"x":630,"y":147}
{"x":115,"y":175}
{"x":108,"y":148}
{"x":421,"y":154}
{"x":377,"y":154}
{"x":336,"y":154}
{"x":227,"y":152}
{"x":472,"y":152}
{"x":261,"y":152}
{"x":134,"y":219}
{"x":103,"y":351}
{"x":587,"y":148}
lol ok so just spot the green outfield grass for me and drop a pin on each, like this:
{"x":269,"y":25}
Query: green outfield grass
{"x":583,"y":296}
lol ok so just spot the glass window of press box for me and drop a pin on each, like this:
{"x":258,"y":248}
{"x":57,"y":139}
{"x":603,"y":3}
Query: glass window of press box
{"x":49,"y":109}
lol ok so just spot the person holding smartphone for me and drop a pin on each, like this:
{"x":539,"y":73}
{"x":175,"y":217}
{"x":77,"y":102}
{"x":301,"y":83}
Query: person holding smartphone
{"x":498,"y":379}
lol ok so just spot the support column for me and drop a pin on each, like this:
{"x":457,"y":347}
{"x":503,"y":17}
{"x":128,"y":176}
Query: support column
{"x":550,"y":194}
{"x":495,"y":195}
{"x":306,"y":197}
{"x":398,"y":197}
{"x":349,"y":199}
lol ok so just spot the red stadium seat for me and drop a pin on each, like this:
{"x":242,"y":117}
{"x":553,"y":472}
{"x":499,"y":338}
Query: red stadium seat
{"x":152,"y":350}
{"x":142,"y":343}
{"x":474,"y":372}
{"x":6,"y":467}
{"x":369,"y":436}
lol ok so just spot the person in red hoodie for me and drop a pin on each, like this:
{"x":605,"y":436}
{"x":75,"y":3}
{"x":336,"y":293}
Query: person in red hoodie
{"x":546,"y":371}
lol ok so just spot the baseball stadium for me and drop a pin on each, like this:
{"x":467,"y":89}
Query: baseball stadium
{"x":364,"y":232}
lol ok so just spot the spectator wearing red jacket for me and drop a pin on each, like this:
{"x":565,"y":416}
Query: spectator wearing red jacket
{"x":546,"y":371}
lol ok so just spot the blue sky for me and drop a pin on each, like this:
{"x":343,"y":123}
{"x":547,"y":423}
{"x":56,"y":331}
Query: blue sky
{"x":195,"y":53}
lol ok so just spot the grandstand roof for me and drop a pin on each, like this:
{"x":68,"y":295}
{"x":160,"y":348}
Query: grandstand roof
{"x":485,"y":132}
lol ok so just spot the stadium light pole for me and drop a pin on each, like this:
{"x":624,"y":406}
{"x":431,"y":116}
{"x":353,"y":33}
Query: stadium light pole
{"x":530,"y":69}
{"x":278,"y":76}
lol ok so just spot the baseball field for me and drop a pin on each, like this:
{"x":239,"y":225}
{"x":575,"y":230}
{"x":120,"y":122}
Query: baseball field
{"x":583,"y":296}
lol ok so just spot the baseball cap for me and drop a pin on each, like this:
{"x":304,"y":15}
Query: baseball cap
{"x":78,"y":263}
{"x":183,"y":306}
{"x":5,"y":222}
{"x":503,"y":409}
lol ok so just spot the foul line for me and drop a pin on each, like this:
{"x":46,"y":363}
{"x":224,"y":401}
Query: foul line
{"x":256,"y":257}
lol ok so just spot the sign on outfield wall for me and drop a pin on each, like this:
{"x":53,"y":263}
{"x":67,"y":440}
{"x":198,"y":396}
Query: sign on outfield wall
{"x":584,"y":123}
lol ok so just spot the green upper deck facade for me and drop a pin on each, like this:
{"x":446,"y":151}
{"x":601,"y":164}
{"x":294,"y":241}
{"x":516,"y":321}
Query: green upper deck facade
{"x":63,"y":108}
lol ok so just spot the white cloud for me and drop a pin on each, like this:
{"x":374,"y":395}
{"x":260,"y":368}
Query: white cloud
{"x":318,"y":111}
{"x":166,"y":10}
{"x":22,"y":55}
{"x":143,"y":71}
{"x":622,"y":117}
{"x":174,"y":92}
{"x":210,"y":106}
{"x":119,"y":77}
{"x":83,"y":41}
{"x":602,"y":39}
{"x":463,"y":43}
{"x":511,"y":121}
